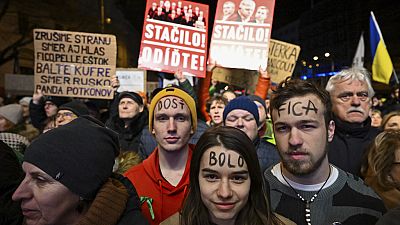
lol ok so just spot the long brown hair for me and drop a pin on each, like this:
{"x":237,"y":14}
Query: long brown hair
{"x":257,"y":210}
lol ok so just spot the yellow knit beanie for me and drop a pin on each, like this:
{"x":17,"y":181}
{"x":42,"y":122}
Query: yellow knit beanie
{"x":172,"y":91}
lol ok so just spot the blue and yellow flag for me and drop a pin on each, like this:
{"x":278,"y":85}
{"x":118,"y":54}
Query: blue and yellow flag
{"x":382,"y":67}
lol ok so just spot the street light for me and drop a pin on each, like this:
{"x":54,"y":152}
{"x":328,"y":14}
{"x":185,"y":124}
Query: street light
{"x":328,"y":56}
{"x":315,"y":58}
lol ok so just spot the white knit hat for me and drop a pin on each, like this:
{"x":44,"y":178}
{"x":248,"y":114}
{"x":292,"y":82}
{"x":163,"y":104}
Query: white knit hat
{"x":25,"y":100}
{"x":12,"y":112}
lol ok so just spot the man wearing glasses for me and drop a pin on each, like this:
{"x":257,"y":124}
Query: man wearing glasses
{"x":351,"y":92}
{"x":70,"y":111}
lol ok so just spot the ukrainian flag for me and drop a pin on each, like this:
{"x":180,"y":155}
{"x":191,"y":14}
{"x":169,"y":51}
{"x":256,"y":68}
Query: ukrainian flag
{"x":382,"y":67}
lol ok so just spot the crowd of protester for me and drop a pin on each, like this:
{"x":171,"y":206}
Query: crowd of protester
{"x":205,"y":155}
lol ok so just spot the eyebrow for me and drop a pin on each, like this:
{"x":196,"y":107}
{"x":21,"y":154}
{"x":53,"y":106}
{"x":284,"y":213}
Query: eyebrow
{"x":297,"y":122}
{"x":208,"y":170}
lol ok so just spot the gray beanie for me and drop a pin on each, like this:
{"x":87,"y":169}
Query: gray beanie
{"x":80,"y":155}
{"x":12,"y":112}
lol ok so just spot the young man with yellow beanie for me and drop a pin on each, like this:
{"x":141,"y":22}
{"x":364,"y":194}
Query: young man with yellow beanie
{"x":162,"y":179}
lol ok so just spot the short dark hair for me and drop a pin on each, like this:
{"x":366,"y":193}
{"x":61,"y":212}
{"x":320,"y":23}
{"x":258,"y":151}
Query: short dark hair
{"x":290,"y":88}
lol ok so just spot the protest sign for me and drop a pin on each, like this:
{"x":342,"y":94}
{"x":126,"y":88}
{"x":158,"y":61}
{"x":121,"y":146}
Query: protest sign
{"x":246,"y":79}
{"x":74,"y":64}
{"x":131,"y":79}
{"x":175,"y":37}
{"x":282,"y":59}
{"x":241,"y":33}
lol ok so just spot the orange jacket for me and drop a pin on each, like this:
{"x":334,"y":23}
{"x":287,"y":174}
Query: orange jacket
{"x":149,"y":182}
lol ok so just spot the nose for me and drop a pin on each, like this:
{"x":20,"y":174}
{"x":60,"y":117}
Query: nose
{"x":295,"y":138}
{"x":59,"y":119}
{"x":171,"y":125}
{"x":355,"y":101}
{"x":224,"y":189}
{"x":22,"y":192}
{"x":239,"y":123}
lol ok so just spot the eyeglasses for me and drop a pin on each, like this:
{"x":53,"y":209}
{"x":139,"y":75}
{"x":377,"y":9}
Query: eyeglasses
{"x":49,"y":104}
{"x":66,"y":114}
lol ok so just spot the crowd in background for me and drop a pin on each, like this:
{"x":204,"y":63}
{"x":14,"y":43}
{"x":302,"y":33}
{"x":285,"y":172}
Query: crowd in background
{"x":365,"y":143}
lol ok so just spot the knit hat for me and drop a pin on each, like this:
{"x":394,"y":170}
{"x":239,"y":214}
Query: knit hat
{"x":25,"y":100}
{"x":244,"y":103}
{"x":172,"y":91}
{"x":76,"y":107}
{"x":80,"y":155}
{"x":258,"y":99}
{"x":12,"y":112}
{"x":57,"y":100}
{"x":132,"y":95}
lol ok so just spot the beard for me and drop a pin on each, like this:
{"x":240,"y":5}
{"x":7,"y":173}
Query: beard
{"x":303,"y":167}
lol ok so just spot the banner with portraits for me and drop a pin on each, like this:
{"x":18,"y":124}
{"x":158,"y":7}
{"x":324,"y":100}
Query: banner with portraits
{"x":241,"y":33}
{"x":175,"y":37}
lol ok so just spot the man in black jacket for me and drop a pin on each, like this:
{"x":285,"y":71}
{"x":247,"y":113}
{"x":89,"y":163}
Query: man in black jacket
{"x":351,"y":92}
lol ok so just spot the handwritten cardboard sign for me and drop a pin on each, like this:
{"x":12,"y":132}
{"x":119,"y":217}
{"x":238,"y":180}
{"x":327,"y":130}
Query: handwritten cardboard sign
{"x":172,"y":39}
{"x":239,"y":77}
{"x":281,"y":60}
{"x":74,"y":64}
{"x":241,"y":33}
{"x":131,"y":79}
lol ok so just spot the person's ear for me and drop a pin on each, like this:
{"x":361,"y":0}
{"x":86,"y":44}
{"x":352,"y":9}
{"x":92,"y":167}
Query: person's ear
{"x":153,"y":132}
{"x":141,"y":107}
{"x":331,"y":130}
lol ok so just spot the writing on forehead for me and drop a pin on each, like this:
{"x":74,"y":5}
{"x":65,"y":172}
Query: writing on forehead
{"x":167,"y":103}
{"x":297,"y":108}
{"x":222,"y":158}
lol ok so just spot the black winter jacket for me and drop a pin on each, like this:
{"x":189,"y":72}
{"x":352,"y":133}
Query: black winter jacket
{"x":350,"y":143}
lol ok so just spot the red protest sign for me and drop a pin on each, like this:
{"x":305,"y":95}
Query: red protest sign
{"x":175,"y":37}
{"x":241,"y":33}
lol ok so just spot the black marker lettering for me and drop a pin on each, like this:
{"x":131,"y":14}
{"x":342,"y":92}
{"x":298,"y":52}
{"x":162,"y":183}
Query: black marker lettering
{"x":181,"y":103}
{"x":294,"y":111}
{"x":221,"y":159}
{"x":308,"y":108}
{"x":240,"y":161}
{"x":159,"y":104}
{"x":281,"y":109}
{"x":229,"y":162}
{"x":213,"y":160}
{"x":167,"y":103}
{"x":174,"y":103}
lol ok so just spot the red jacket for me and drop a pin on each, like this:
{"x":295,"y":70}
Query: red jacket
{"x":148,"y":181}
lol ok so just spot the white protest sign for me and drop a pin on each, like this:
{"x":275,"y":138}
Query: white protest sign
{"x":131,"y":79}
